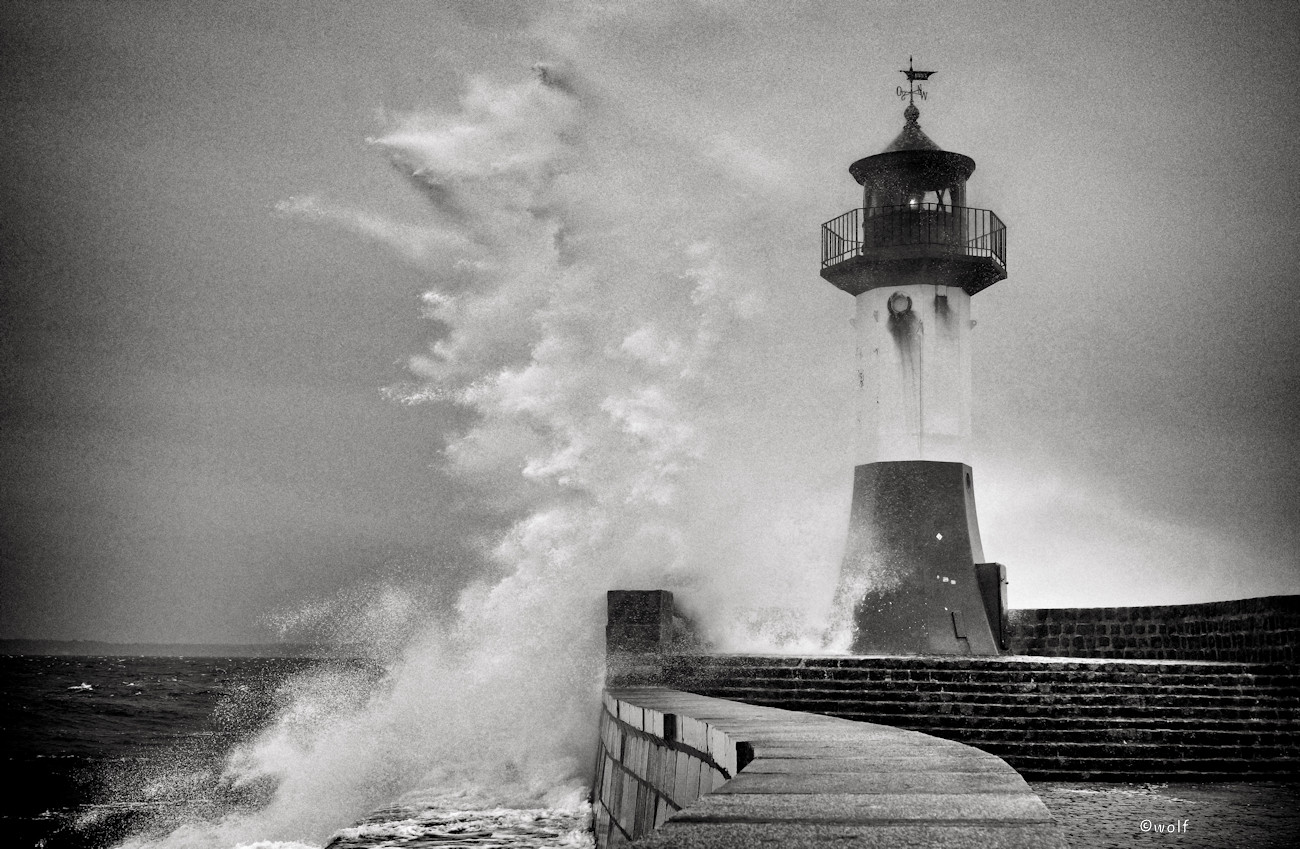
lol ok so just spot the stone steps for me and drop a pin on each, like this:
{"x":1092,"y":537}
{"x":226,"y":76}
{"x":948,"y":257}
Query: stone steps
{"x":1051,"y":720}
{"x":1096,"y":690}
{"x":1101,"y":689}
{"x":1097,"y":697}
{"x":1002,"y":723}
{"x":991,"y":679}
{"x":1062,"y":706}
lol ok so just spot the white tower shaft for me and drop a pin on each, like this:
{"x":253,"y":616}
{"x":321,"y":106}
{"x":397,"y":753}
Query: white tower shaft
{"x":914,"y":374}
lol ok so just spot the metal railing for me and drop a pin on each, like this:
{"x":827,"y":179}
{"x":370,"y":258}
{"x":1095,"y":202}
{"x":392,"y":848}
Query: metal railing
{"x":887,"y":231}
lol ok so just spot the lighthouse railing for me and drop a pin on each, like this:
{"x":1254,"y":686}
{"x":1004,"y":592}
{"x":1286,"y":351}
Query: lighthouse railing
{"x":842,"y":238}
{"x":886,"y":232}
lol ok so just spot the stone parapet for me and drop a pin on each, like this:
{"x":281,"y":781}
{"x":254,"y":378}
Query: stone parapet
{"x":1250,"y":630}
{"x":642,"y":627}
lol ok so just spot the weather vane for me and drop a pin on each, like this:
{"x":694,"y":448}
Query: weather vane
{"x":913,"y":76}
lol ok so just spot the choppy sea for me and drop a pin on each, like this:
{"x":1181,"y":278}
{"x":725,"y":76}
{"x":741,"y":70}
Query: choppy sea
{"x":107,"y":748}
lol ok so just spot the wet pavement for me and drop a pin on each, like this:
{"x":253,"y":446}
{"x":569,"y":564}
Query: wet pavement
{"x":1254,"y":815}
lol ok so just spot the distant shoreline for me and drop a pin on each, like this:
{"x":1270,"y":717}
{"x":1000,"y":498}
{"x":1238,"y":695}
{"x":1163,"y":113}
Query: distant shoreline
{"x":97,"y":648}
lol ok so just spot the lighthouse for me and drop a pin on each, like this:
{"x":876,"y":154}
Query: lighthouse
{"x":913,"y":579}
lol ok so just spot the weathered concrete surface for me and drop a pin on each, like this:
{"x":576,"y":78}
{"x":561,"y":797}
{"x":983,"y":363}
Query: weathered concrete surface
{"x":809,"y":780}
{"x":1097,"y":815}
{"x":810,"y":835}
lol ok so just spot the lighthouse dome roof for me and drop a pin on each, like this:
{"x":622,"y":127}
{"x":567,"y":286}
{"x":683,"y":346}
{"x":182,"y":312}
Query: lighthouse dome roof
{"x":912,"y":137}
{"x":913,"y":158}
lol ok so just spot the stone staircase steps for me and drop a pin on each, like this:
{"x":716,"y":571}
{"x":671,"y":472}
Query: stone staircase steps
{"x":1048,"y":719}
{"x":1001,"y":716}
{"x":1105,"y":703}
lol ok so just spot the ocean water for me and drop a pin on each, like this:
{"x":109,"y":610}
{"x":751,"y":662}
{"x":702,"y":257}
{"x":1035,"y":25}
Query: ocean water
{"x":132,"y":749}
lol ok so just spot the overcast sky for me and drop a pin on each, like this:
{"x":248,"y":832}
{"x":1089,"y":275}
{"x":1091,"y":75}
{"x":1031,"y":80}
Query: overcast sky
{"x":196,"y":441}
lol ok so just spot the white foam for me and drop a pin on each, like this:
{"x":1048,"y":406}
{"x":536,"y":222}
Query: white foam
{"x":606,"y":323}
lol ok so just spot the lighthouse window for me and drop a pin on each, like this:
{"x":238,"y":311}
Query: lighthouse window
{"x":928,"y":199}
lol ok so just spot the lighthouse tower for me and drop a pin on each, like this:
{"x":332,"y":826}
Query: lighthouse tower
{"x":912,"y":256}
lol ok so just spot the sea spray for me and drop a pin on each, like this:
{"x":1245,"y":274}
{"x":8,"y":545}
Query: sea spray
{"x":601,"y":316}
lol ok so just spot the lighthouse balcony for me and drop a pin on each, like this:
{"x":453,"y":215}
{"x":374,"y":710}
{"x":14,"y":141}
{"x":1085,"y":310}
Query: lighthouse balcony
{"x":922,"y":242}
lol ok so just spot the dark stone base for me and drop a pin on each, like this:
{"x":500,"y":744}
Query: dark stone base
{"x":909,"y":574}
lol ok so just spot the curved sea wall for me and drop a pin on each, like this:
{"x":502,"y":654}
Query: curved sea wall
{"x":678,"y":769}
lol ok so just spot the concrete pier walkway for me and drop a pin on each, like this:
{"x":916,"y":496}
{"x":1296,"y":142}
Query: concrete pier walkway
{"x":683,"y":770}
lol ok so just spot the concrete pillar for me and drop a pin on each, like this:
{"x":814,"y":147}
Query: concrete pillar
{"x":638,"y":632}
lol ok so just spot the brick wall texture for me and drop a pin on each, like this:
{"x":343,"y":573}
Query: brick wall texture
{"x":1251,"y":630}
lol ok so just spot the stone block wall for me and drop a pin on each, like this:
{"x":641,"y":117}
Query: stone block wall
{"x":651,"y":765}
{"x":1251,"y":630}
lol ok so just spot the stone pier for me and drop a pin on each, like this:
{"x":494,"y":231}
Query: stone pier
{"x":678,"y":771}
